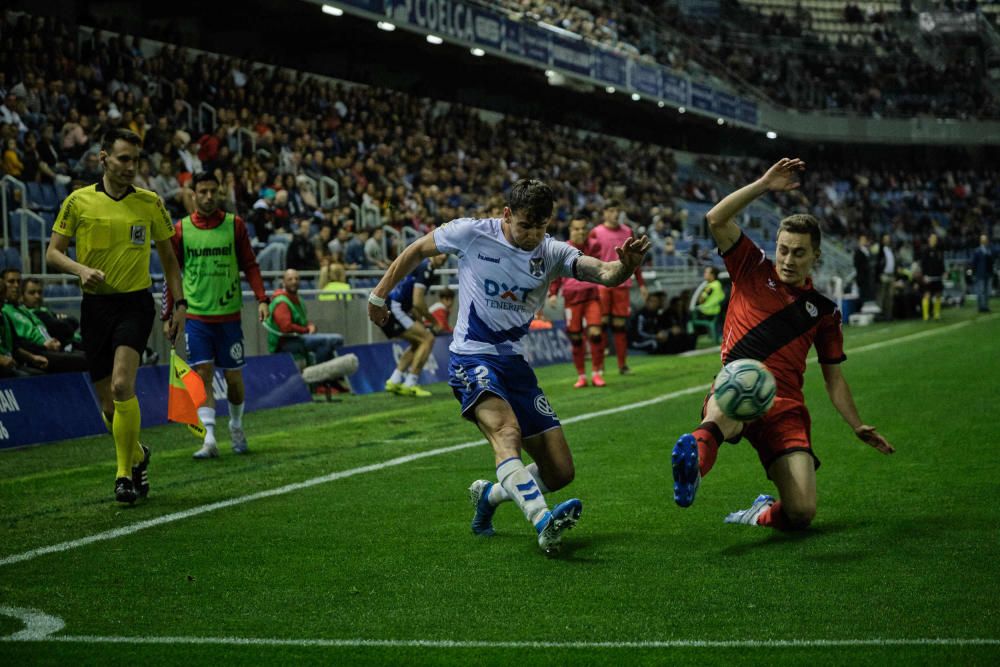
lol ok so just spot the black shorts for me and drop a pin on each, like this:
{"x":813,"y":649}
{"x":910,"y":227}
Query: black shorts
{"x":108,"y":321}
{"x":934,"y":286}
{"x":392,"y":328}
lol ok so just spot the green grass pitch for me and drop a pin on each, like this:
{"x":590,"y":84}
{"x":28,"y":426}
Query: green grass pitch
{"x":379,"y":566}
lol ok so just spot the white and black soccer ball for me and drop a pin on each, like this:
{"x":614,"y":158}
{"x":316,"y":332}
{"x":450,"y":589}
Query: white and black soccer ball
{"x":745,"y":389}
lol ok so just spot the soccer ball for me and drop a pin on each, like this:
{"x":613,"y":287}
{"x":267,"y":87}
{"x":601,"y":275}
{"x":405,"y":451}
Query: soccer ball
{"x":744,"y":389}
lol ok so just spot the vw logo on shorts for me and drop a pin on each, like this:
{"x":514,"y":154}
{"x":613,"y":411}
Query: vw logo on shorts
{"x":542,"y":405}
{"x":236,"y":351}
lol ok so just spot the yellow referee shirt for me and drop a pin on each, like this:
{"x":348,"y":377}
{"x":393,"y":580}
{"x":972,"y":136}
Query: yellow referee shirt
{"x":113,"y":235}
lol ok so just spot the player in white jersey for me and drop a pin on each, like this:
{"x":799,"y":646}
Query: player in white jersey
{"x":505,"y":266}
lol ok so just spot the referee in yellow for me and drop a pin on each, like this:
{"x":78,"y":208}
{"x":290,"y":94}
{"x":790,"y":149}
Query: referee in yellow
{"x":113,"y":223}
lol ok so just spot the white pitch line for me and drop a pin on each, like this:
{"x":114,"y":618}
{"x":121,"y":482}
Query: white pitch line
{"x":297,"y":486}
{"x":460,"y":644}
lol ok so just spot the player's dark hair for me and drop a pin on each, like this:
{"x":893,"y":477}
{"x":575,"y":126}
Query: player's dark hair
{"x":204,"y":177}
{"x":714,"y":271}
{"x":802,"y":223}
{"x":532,"y":197}
{"x":30,"y":281}
{"x":110,"y":137}
{"x":8,"y":270}
{"x":446,"y":293}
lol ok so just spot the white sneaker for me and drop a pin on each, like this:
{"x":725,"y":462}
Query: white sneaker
{"x":750,"y":515}
{"x":208,"y":451}
{"x":239,"y":440}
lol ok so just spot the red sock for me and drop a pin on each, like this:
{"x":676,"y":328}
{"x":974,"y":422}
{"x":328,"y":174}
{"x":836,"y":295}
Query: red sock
{"x":621,"y":347}
{"x":579,"y":356}
{"x":597,"y":353}
{"x":708,"y":436}
{"x":773,"y":517}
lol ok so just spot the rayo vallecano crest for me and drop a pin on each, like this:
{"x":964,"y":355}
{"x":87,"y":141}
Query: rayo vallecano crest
{"x":537,"y":266}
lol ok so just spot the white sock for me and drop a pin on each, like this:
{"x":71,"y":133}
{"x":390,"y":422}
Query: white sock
{"x":236,"y":415}
{"x":522,"y":488}
{"x":498,"y":494}
{"x":412,"y":379}
{"x":207,"y":417}
{"x":396,"y":377}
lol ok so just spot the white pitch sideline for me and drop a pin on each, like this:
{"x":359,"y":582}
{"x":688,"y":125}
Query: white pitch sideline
{"x":331,"y":477}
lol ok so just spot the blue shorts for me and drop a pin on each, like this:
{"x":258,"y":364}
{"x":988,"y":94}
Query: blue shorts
{"x":510,"y":378}
{"x":220,"y":343}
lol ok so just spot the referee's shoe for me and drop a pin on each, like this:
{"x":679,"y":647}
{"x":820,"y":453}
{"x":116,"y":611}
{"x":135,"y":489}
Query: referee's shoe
{"x":140,"y":474}
{"x":124,"y":490}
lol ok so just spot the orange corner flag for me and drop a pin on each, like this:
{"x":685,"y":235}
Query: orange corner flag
{"x":187,"y":393}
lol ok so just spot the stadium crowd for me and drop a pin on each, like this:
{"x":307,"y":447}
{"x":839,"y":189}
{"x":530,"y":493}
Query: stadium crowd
{"x":878,"y":74}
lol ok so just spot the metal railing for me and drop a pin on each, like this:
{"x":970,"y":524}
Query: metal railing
{"x":327,"y":184}
{"x":240,"y":131}
{"x":26,"y":215}
{"x":203,"y":109}
{"x":5,"y":209}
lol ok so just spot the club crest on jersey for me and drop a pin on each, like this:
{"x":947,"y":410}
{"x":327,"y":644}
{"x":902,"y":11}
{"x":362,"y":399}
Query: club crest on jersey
{"x":537,"y":266}
{"x":811,"y":309}
{"x":770,"y":284}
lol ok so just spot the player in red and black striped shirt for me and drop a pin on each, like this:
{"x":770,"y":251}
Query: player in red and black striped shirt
{"x":775,"y":316}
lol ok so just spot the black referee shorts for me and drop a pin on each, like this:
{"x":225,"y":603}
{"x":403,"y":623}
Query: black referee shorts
{"x":108,"y":321}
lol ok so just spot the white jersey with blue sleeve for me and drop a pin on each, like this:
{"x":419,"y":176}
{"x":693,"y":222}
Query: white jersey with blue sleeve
{"x":500,"y":286}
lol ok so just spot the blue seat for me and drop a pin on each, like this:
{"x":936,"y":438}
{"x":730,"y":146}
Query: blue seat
{"x":34,"y":230}
{"x":50,"y":199}
{"x":34,"y":195}
{"x":61,"y":192}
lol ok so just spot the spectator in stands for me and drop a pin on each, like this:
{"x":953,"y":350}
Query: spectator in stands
{"x":88,"y":169}
{"x":61,"y":326}
{"x":288,"y":326}
{"x":74,"y":133}
{"x":13,"y":165}
{"x":301,"y":254}
{"x":179,"y":199}
{"x":982,"y":272}
{"x":354,"y":251}
{"x":375,"y":251}
{"x":9,"y":112}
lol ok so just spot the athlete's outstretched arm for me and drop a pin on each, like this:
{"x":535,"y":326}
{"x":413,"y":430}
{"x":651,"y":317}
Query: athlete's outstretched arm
{"x":781,"y":177}
{"x":407,"y":261}
{"x":840,"y":396}
{"x":609,"y":274}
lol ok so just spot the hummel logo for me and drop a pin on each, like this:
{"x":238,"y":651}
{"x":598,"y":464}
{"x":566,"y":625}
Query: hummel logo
{"x":494,"y":260}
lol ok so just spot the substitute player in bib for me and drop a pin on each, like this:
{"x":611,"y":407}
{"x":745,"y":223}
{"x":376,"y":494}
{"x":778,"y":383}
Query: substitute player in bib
{"x":616,"y":304}
{"x":505,"y":266}
{"x":775,"y":316}
{"x":582,"y":306}
{"x":113,"y":223}
{"x":407,"y":305}
{"x":212,"y":247}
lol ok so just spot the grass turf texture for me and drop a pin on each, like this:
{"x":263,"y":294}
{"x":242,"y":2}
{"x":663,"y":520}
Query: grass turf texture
{"x":903,"y":546}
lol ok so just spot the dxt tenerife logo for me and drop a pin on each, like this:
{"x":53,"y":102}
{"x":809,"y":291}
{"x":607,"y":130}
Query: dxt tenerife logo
{"x":510,"y":297}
